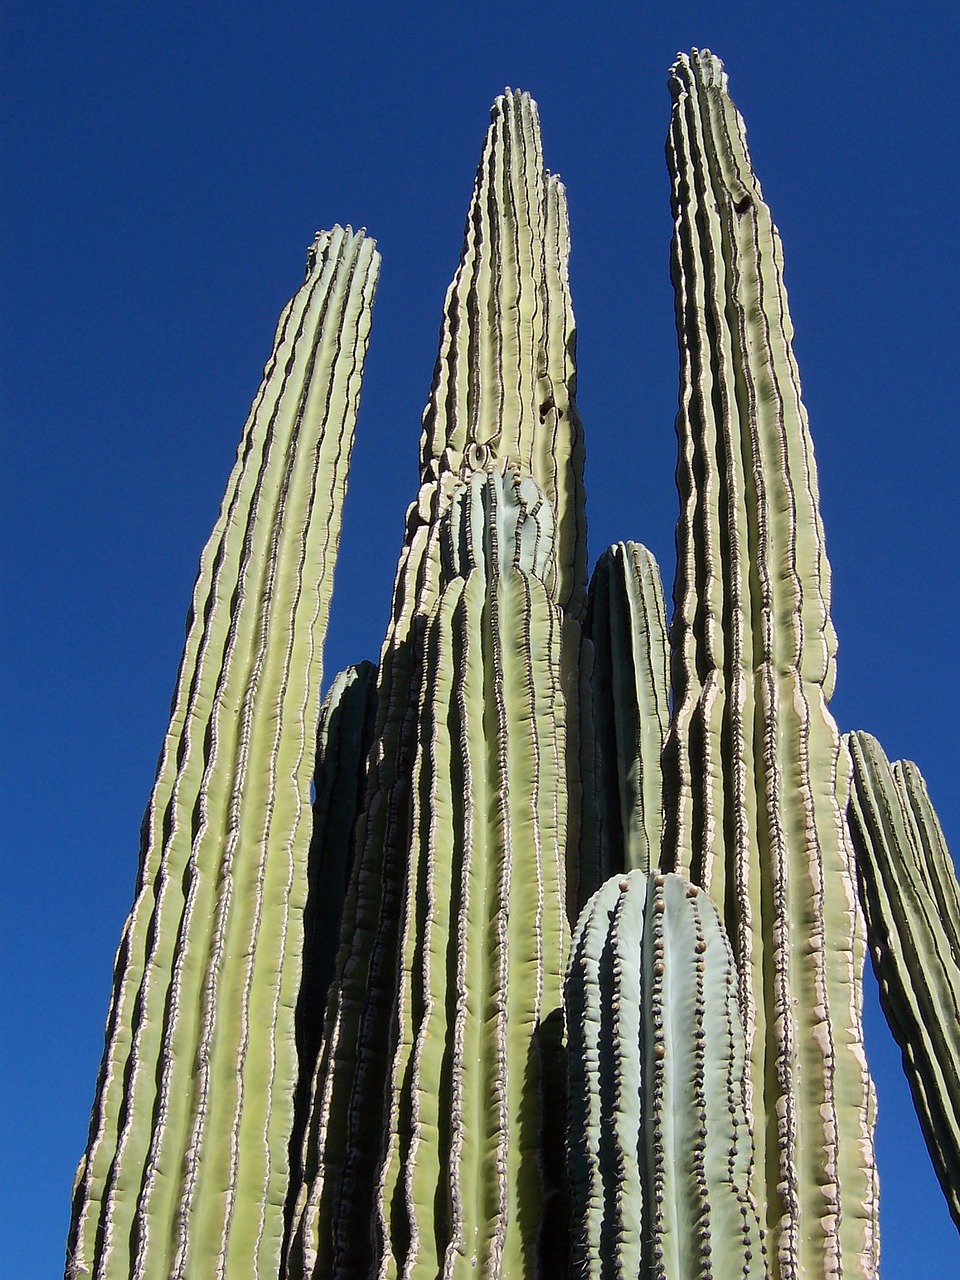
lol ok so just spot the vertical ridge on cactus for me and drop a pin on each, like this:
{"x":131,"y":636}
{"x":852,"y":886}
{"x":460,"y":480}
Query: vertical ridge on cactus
{"x":193,"y":1111}
{"x":660,"y":1145}
{"x":754,"y":760}
{"x":911,"y":898}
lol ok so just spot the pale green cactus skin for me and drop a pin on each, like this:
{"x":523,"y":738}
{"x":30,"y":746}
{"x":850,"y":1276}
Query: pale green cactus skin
{"x":625,"y":663}
{"x":194,"y":1104}
{"x":757,"y":779}
{"x":910,"y":895}
{"x":660,"y":1147}
{"x":444,"y":1149}
{"x":426,"y":1152}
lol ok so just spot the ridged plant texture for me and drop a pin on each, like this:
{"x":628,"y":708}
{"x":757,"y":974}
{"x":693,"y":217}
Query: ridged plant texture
{"x":344,"y":737}
{"x":910,"y":895}
{"x":434,"y":1095}
{"x":520,"y":742}
{"x":757,"y":780}
{"x":429,"y":1150}
{"x":659,"y":1138}
{"x":186,"y":1169}
{"x":626,"y":698}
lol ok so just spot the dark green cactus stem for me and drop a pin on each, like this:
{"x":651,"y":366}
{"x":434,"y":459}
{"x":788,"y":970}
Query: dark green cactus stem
{"x":194,"y":1106}
{"x":428,"y":1150}
{"x":344,"y":737}
{"x":754,"y":761}
{"x":908,"y":886}
{"x":660,"y":1147}
{"x":625,"y":631}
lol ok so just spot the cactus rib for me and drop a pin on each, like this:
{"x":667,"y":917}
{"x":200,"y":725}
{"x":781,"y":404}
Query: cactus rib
{"x":194,"y":1105}
{"x":910,"y":895}
{"x":754,"y":758}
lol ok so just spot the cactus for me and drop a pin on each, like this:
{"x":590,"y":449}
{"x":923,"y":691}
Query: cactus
{"x":344,"y":738}
{"x":193,"y":1112}
{"x":519,"y":747}
{"x":908,"y":886}
{"x":755,"y":765}
{"x":431,"y":1100}
{"x":428,"y":1150}
{"x":659,"y":1141}
{"x":626,"y":638}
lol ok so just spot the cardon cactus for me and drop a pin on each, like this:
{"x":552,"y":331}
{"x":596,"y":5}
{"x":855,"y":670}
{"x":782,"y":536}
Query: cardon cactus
{"x":194,"y":1108}
{"x":757,"y":780}
{"x":336,"y":1047}
{"x":435,"y":1143}
{"x":660,"y":1143}
{"x":910,"y":895}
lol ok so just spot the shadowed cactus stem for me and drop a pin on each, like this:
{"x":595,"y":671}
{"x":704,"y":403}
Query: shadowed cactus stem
{"x":909,"y":889}
{"x":757,"y":781}
{"x":625,"y":662}
{"x":186,"y":1169}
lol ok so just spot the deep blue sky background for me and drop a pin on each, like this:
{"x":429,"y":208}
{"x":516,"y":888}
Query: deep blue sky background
{"x":167,"y":165}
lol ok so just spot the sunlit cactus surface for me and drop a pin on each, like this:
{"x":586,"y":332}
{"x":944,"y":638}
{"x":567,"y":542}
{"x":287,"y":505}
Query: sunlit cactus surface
{"x":535,"y":950}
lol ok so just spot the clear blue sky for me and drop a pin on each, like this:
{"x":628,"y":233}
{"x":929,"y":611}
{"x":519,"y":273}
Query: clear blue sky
{"x":167,"y":165}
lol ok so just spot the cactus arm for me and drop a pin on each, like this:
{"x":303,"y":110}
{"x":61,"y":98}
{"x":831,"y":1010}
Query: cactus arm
{"x":626,"y":628}
{"x":506,"y":340}
{"x":754,"y":759}
{"x":911,"y":899}
{"x":660,"y":1148}
{"x":208,"y":969}
{"x":344,"y":736}
{"x":445,"y":1149}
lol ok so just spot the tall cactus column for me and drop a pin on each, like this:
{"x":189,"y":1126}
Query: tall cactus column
{"x":754,"y":760}
{"x":911,"y":898}
{"x":427,"y":1152}
{"x":194,"y":1104}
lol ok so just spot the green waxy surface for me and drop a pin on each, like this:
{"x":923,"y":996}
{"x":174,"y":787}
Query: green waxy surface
{"x":756,"y":778}
{"x":193,"y":1113}
{"x":908,"y":885}
{"x":659,"y":1141}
